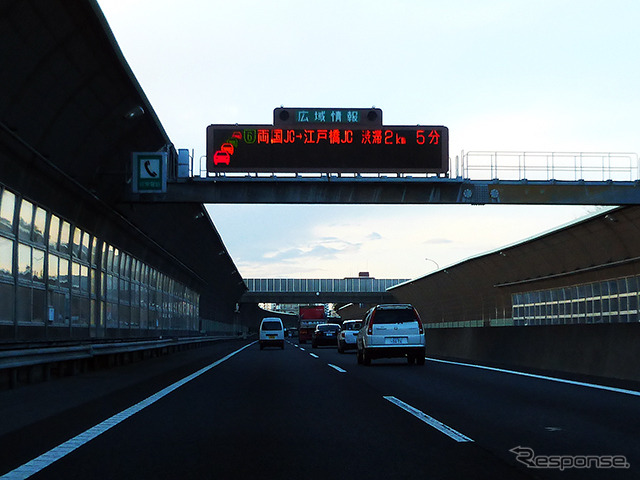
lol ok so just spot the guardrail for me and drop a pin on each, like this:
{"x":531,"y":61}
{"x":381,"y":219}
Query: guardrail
{"x":546,"y":166}
{"x":14,"y":360}
{"x":330,"y":285}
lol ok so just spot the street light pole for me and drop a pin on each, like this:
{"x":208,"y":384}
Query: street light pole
{"x":430,"y":260}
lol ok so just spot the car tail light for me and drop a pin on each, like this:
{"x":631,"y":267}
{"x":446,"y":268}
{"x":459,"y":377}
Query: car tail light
{"x":421,"y":327}
{"x":370,"y":328}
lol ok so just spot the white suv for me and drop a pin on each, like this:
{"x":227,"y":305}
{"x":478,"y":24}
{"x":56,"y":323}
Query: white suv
{"x":391,"y":330}
{"x":271,"y":332}
{"x":348,"y":334}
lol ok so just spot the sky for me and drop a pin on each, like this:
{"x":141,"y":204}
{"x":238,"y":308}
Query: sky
{"x":552,"y":76}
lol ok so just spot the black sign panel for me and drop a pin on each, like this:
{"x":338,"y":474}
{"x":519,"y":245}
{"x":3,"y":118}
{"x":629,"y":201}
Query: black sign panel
{"x":327,"y":117}
{"x":377,"y":149}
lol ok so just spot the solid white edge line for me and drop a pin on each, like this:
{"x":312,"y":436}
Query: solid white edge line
{"x":43,"y":461}
{"x":337,"y":368}
{"x":541,"y":377}
{"x":447,"y":430}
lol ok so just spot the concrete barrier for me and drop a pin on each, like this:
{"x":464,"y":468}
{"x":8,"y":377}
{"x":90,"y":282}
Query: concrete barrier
{"x":35,"y":364}
{"x":597,"y":350}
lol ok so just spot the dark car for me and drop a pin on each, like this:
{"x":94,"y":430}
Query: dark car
{"x":325,"y":334}
{"x":291,"y":332}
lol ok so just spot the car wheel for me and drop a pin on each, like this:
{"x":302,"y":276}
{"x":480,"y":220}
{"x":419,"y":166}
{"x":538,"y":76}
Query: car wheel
{"x":261,"y":346}
{"x":411,"y":359}
{"x":314,"y":345}
{"x":366,"y":359}
{"x":420,"y":360}
{"x":359,"y":357}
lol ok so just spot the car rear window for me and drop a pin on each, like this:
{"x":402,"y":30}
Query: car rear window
{"x":327,"y":328}
{"x":271,"y":326}
{"x":353,"y":326}
{"x":394,"y":316}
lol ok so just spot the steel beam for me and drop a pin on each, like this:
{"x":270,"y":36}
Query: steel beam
{"x":319,"y":297}
{"x":330,"y":189}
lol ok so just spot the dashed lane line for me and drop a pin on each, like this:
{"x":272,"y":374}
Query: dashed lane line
{"x":447,"y":430}
{"x":335,"y":367}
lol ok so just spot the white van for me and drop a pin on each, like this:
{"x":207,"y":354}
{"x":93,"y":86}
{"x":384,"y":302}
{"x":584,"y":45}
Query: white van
{"x":271,"y":332}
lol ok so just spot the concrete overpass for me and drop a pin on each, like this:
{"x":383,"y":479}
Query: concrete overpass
{"x":305,"y":290}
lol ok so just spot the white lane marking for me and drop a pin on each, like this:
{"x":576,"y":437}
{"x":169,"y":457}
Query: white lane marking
{"x":302,"y":349}
{"x":450,"y":432}
{"x":43,"y":461}
{"x":541,"y":377}
{"x":337,"y":368}
{"x":314,"y":355}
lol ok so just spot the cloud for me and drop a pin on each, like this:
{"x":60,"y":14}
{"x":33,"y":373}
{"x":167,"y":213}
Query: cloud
{"x":326,"y":249}
{"x":438,"y":241}
{"x":283,"y":255}
{"x":388,"y":241}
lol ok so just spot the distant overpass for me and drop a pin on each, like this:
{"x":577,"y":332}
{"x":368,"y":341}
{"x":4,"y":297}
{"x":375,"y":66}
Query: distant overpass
{"x":325,"y":290}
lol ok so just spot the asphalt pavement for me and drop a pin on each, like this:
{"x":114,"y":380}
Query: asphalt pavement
{"x":233,"y":411}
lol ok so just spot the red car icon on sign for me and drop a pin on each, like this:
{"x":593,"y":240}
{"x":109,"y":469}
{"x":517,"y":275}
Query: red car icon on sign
{"x":221,"y":157}
{"x":227,"y":147}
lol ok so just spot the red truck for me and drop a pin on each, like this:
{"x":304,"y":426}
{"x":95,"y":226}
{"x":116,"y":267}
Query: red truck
{"x":310,"y":316}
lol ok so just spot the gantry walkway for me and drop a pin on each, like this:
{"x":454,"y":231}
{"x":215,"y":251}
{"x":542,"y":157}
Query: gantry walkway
{"x":307,"y":290}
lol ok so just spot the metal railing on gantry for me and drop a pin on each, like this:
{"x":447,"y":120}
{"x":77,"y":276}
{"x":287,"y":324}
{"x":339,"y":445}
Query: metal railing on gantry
{"x":308,"y":285}
{"x":307,"y":290}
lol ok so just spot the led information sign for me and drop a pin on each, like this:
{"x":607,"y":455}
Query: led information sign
{"x":377,"y":149}
{"x":349,"y":117}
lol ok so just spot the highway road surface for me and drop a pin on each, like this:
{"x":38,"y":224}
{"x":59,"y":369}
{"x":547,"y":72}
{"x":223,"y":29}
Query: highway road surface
{"x":232,"y":411}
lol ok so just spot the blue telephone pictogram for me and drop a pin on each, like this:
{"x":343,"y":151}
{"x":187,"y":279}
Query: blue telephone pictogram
{"x":147,"y":165}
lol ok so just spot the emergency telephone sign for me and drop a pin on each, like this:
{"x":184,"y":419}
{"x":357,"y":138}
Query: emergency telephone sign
{"x":149,"y":172}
